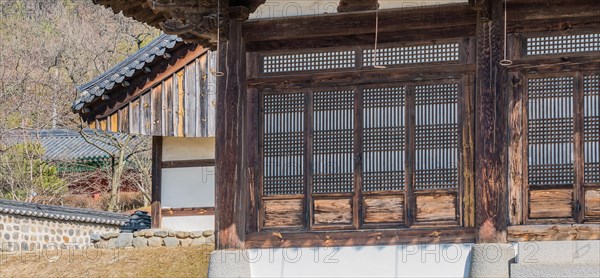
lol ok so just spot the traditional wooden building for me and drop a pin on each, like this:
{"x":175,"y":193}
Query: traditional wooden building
{"x":164,"y":90}
{"x":466,"y":123}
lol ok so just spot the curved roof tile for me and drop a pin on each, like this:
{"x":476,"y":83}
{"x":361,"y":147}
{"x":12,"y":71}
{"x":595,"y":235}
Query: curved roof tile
{"x":125,"y":69}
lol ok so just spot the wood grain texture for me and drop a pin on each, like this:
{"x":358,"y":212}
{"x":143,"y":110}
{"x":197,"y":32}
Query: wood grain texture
{"x":516,"y":152}
{"x":332,"y":211}
{"x":436,"y":207}
{"x":283,"y":213}
{"x":553,"y":203}
{"x":360,"y":237}
{"x":384,"y":209}
{"x":491,"y":188}
{"x":592,"y":204}
{"x":157,"y":147}
{"x":554,"y":232}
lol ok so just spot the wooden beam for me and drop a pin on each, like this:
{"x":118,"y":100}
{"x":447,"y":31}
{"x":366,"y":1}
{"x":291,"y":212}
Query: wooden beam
{"x":230,"y":170}
{"x":357,"y":5}
{"x":166,"y":212}
{"x":188,"y":163}
{"x":269,"y":239}
{"x":554,"y":232}
{"x":157,"y":144}
{"x":491,"y":131}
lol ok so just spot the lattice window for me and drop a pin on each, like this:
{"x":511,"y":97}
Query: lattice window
{"x":309,"y":61}
{"x":550,"y":135}
{"x":283,"y":150}
{"x":591,"y":125}
{"x":383,"y":138}
{"x":333,"y":147}
{"x":563,"y":44}
{"x":436,"y":113}
{"x":412,"y":54}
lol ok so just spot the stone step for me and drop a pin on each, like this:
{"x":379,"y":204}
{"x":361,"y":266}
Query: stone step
{"x":558,"y":252}
{"x":555,"y":270}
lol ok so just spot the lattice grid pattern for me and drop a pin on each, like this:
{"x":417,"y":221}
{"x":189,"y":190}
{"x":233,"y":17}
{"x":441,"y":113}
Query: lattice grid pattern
{"x":283,"y":151}
{"x":333,"y":141}
{"x":431,"y":53}
{"x":436,"y":113}
{"x":383,"y":139}
{"x":550,"y":124}
{"x":309,"y":61}
{"x":591,"y":126}
{"x":563,"y":44}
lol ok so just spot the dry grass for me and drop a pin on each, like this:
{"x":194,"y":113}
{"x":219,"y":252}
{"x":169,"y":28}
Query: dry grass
{"x":149,"y":262}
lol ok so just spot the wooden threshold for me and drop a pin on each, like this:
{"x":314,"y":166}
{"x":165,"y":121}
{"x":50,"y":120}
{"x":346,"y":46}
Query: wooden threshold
{"x":277,"y":239}
{"x":166,"y":212}
{"x":554,"y":232}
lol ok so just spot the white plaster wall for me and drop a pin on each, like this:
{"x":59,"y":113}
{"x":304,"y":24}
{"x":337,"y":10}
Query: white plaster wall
{"x":188,"y":187}
{"x":284,"y":8}
{"x":433,"y":260}
{"x":188,"y":148}
{"x":189,"y":223}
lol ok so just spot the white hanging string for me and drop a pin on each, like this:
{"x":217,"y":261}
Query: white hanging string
{"x":216,"y":71}
{"x":375,"y":53}
{"x":505,"y":61}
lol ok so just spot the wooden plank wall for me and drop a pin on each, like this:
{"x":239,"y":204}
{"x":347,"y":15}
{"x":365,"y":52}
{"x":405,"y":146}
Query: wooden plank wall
{"x":182,"y":105}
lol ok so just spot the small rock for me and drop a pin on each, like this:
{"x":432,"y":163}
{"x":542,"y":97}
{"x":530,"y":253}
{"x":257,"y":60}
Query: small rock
{"x":101,"y":244}
{"x":185,"y":242}
{"x":182,"y":234}
{"x":155,"y":242}
{"x":196,"y":234}
{"x":146,"y":233}
{"x":109,"y":235}
{"x":112,"y":243}
{"x":199,"y":241}
{"x":210,"y":239}
{"x":161,"y":233}
{"x":137,"y":234}
{"x":140,"y":242}
{"x":171,"y":242}
{"x":124,"y":240}
{"x":208,"y":233}
{"x":95,"y":237}
{"x":171,"y":233}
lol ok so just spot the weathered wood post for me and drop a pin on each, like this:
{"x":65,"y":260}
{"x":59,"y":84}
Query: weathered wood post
{"x":491,"y":255}
{"x":229,"y":147}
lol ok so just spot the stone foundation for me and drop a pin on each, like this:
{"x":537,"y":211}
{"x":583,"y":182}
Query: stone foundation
{"x":25,"y":233}
{"x":153,"y":238}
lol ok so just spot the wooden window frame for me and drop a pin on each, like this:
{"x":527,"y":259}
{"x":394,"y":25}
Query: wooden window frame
{"x":460,"y":72}
{"x":578,"y":65}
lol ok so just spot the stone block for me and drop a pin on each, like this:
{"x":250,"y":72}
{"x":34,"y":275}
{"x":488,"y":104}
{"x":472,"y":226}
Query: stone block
{"x":155,"y":241}
{"x":185,"y":242}
{"x":140,"y":242}
{"x":124,"y":240}
{"x":208,"y":233}
{"x":558,"y":252}
{"x":210,"y":239}
{"x":161,"y":233}
{"x":491,"y":260}
{"x":182,"y":234}
{"x":199,"y":241}
{"x":196,"y":234}
{"x":109,"y":235}
{"x":171,"y":242}
{"x":94,"y":237}
{"x":555,"y":270}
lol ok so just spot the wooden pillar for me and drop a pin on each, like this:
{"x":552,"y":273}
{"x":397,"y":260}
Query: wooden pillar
{"x":229,"y":158}
{"x":157,"y":145}
{"x":491,"y":125}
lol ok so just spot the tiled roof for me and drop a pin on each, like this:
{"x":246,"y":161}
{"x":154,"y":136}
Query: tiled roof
{"x":62,"y":213}
{"x":64,"y":144}
{"x":124,"y":70}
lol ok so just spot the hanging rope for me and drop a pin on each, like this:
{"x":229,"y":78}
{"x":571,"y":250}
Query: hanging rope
{"x":375,"y":53}
{"x":505,"y":61}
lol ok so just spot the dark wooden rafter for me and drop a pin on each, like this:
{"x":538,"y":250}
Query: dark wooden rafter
{"x":357,"y":5}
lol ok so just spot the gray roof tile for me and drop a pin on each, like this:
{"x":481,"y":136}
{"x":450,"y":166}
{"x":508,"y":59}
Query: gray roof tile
{"x":127,"y":68}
